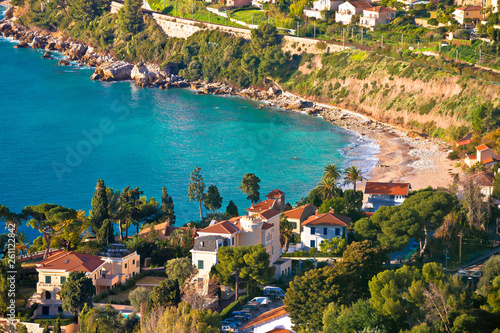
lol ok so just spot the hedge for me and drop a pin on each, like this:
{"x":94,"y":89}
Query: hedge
{"x":52,"y":322}
{"x":308,"y":254}
{"x":228,"y":310}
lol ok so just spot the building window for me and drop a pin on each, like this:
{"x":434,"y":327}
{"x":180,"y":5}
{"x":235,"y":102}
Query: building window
{"x":325,"y":231}
{"x":202,"y":244}
{"x":125,"y":265}
{"x":63,"y":279}
{"x":337,"y":231}
{"x":48,"y":279}
{"x":232,"y":241}
{"x":200,"y":264}
{"x":272,"y":249}
{"x":313,"y":230}
{"x":294,"y":225}
{"x":313,"y":243}
{"x":133,"y":262}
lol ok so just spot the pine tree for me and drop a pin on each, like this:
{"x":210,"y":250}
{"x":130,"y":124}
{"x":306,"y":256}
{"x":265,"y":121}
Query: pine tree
{"x":130,"y":16}
{"x":250,"y":186}
{"x":99,"y":207}
{"x":167,"y":206}
{"x":212,"y":199}
{"x":196,"y":189}
{"x":231,"y":209}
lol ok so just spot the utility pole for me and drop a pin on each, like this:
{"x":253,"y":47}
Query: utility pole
{"x":460,"y":248}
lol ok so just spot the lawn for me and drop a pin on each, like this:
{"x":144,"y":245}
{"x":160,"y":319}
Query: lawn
{"x":258,"y":16}
{"x":122,"y":296}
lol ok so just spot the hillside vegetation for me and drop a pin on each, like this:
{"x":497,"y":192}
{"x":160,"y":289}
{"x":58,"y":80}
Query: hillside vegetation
{"x":415,"y":91}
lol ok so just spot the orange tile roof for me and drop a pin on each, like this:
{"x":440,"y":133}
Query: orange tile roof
{"x":270,"y":213}
{"x":387,"y":188}
{"x":360,"y":4}
{"x":274,"y":193}
{"x":157,"y":227}
{"x":224,"y":227}
{"x":484,"y":178}
{"x":267,"y":316}
{"x":296,"y":213}
{"x":279,"y":330}
{"x":468,"y":138}
{"x":472,"y":157}
{"x":164,"y":230}
{"x":328,"y":219}
{"x":261,"y":206}
{"x":482,"y":147}
{"x":380,"y":9}
{"x":71,"y":261}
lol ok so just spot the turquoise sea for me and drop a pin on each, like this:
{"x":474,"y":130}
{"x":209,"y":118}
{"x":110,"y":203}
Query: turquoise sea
{"x":60,"y":132}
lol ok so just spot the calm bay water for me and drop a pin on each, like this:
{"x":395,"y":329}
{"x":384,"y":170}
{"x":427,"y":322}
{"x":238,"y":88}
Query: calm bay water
{"x":60,"y":132}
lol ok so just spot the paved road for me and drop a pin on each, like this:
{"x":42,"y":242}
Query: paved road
{"x":275,"y":304}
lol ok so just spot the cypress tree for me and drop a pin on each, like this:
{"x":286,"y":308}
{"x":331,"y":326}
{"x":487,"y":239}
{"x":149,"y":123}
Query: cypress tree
{"x":167,"y":206}
{"x":99,"y":207}
{"x":57,"y":326}
{"x":106,"y":233}
{"x":232,"y":210}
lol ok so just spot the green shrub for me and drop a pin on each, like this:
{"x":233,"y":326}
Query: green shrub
{"x":233,"y":306}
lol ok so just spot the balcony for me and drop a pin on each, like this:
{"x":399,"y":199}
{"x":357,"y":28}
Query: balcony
{"x":108,"y":280}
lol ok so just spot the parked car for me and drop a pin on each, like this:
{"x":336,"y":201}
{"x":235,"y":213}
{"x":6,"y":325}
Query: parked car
{"x":254,"y":304}
{"x":245,"y":315}
{"x":242,"y":318}
{"x":273,"y":292}
{"x":234,"y":321}
{"x":262,"y":301}
{"x":229,"y":328}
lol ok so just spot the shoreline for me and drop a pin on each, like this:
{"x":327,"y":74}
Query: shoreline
{"x":402,"y":157}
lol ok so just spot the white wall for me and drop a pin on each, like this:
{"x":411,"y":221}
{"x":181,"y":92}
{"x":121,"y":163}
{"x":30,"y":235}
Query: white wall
{"x":319,"y":235}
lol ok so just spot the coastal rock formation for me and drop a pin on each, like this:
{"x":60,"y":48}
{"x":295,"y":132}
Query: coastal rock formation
{"x":141,"y":74}
{"x":63,"y":62}
{"x":50,"y":46}
{"x":21,"y":45}
{"x":37,"y":43}
{"x":47,"y":55}
{"x":61,"y":46}
{"x":9,"y":13}
{"x":76,"y":51}
{"x":113,"y":71}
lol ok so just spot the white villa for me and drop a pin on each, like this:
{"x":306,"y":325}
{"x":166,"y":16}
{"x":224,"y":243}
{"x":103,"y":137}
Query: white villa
{"x":319,"y":6}
{"x":349,"y":9}
{"x":318,"y":228}
{"x":385,"y":194}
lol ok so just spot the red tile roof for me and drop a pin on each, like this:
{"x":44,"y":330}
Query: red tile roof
{"x":296,"y":213}
{"x":387,"y":188}
{"x":267,"y":316}
{"x":484,"y":178}
{"x":274,"y":194}
{"x":472,"y":157}
{"x":328,"y":219}
{"x":360,"y":4}
{"x":267,"y":225}
{"x":261,"y":206}
{"x":224,"y":227}
{"x":270,"y":213}
{"x":470,"y":8}
{"x":468,"y":138}
{"x":164,"y":230}
{"x":71,"y":261}
{"x":380,"y":9}
{"x":482,"y":147}
{"x":490,"y":160}
{"x":279,"y":330}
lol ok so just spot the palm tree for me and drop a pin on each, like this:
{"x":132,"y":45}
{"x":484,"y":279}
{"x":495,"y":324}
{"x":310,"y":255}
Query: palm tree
{"x":332,"y":171}
{"x":22,"y":244}
{"x":286,"y":231}
{"x":352,"y":175}
{"x":327,"y":186}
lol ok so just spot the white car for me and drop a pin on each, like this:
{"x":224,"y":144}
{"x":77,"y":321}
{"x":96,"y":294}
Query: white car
{"x":229,"y":328}
{"x":262,"y":300}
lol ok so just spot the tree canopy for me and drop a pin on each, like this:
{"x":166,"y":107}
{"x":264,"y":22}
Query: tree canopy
{"x":196,"y":188}
{"x":212,"y":199}
{"x":77,"y":291}
{"x":250,"y":186}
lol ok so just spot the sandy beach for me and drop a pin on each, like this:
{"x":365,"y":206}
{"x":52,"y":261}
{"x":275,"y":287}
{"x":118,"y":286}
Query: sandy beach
{"x":419,"y":161}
